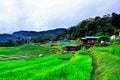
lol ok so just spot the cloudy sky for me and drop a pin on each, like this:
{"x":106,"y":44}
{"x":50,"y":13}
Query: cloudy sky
{"x":39,"y":15}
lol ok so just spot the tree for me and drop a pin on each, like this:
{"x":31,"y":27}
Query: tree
{"x":100,"y":26}
{"x":18,"y":41}
{"x":104,"y":38}
{"x":10,"y":42}
{"x":115,"y":20}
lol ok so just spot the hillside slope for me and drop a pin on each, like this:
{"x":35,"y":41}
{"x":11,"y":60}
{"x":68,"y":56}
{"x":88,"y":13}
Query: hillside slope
{"x":106,"y":62}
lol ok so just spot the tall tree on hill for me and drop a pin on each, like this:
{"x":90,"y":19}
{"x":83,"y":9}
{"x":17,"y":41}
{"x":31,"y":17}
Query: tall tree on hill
{"x":115,"y":20}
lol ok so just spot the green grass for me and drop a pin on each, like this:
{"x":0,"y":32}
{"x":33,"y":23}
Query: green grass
{"x":49,"y":67}
{"x":82,"y":52}
{"x":107,"y":62}
{"x":113,"y":49}
{"x":26,"y":52}
{"x":24,"y":47}
{"x":67,"y":56}
{"x":8,"y":49}
{"x":69,"y":66}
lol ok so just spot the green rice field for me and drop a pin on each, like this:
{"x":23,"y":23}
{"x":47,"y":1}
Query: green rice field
{"x":46,"y":62}
{"x":53,"y":65}
{"x":106,"y":62}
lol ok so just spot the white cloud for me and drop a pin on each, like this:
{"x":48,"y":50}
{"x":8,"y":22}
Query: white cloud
{"x":41,"y":15}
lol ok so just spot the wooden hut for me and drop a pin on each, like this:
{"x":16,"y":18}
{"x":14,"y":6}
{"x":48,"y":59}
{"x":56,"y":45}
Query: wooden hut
{"x":89,"y":40}
{"x":71,"y":47}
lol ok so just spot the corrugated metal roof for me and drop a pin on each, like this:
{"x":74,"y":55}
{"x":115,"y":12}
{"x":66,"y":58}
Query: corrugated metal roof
{"x":83,"y":38}
{"x":71,"y":45}
{"x":90,"y":37}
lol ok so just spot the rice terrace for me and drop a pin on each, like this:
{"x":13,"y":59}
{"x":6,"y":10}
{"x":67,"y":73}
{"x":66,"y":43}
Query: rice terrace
{"x":24,"y":63}
{"x":59,"y":39}
{"x":48,"y":67}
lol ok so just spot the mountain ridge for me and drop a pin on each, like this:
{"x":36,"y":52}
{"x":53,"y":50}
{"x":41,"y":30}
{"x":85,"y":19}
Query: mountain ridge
{"x":26,"y":34}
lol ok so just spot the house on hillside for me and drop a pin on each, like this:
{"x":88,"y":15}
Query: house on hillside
{"x":89,"y":40}
{"x":115,"y":36}
{"x":71,"y":47}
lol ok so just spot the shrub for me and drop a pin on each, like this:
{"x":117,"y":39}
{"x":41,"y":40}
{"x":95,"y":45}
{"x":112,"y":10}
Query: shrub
{"x":87,"y":46}
{"x":98,"y":45}
{"x":67,"y":56}
{"x":115,"y":50}
{"x":104,"y":38}
{"x":83,"y":52}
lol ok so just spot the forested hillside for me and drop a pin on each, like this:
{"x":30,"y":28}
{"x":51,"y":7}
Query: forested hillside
{"x":98,"y":26}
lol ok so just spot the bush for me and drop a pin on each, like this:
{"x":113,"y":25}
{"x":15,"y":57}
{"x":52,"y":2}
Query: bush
{"x":97,"y":45}
{"x":116,"y":50}
{"x":87,"y":46}
{"x":67,"y":56}
{"x":104,"y":38}
{"x":118,"y":39}
{"x":83,"y":52}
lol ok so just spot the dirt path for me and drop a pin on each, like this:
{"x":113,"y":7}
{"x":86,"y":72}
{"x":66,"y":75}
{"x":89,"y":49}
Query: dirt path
{"x":94,"y":65}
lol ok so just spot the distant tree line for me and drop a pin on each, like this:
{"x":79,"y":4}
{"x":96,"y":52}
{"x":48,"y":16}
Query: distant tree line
{"x":20,"y":41}
{"x":98,"y":26}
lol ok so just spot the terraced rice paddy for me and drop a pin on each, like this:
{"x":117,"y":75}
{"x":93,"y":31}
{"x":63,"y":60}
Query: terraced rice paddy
{"x":50,"y":66}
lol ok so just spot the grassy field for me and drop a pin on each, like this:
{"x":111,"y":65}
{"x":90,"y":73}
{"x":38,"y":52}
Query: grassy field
{"x":72,"y":66}
{"x":24,"y":63}
{"x":26,"y":52}
{"x":106,"y":61}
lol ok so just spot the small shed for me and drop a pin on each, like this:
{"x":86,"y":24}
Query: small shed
{"x":89,"y":40}
{"x":71,"y":47}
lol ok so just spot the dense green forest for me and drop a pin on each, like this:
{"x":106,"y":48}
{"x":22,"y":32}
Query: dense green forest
{"x":98,"y":26}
